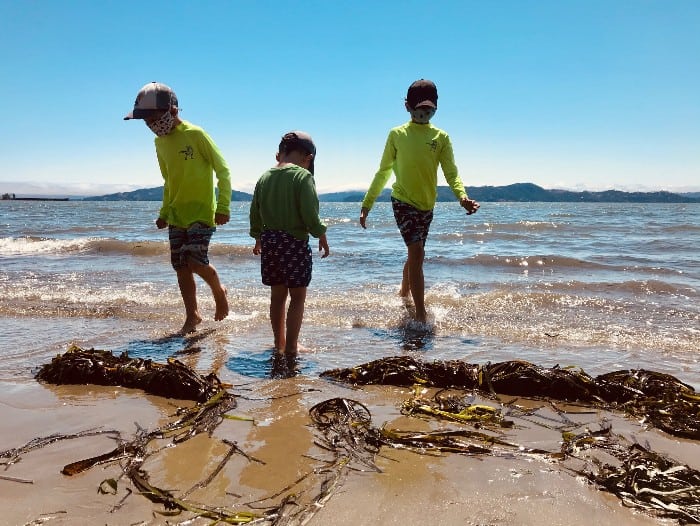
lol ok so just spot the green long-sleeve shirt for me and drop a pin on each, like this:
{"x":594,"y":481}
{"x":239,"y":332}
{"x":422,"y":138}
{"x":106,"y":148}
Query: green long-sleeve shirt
{"x":414,"y":151}
{"x":285,"y":199}
{"x":188,"y":157}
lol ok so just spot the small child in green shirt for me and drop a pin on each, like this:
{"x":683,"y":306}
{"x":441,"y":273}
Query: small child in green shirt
{"x":283,"y":213}
{"x":413,"y":152}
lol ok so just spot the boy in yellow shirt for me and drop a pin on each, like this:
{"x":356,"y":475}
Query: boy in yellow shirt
{"x":187,"y":157}
{"x":413,"y":152}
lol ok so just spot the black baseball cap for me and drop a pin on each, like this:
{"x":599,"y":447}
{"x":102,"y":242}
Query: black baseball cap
{"x":299,"y":140}
{"x":422,"y":93}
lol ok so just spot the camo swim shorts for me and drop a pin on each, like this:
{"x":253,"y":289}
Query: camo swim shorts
{"x":413,"y":224}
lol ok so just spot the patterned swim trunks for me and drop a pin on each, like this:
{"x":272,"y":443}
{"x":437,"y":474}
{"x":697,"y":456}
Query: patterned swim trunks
{"x":413,"y":224}
{"x":190,"y":244}
{"x":285,"y":260}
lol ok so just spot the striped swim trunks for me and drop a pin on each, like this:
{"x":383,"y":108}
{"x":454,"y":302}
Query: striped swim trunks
{"x":190,"y":244}
{"x":285,"y":260}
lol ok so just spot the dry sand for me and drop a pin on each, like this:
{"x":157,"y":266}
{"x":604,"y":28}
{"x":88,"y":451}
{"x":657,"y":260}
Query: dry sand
{"x":410,"y":489}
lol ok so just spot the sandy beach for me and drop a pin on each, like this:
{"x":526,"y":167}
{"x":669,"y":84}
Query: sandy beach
{"x":280,"y":444}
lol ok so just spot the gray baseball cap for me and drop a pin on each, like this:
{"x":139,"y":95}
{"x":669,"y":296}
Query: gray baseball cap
{"x":152,"y":98}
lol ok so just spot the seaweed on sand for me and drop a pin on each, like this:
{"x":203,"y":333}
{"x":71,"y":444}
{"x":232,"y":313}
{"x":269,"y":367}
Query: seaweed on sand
{"x":660,"y":399}
{"x":80,"y":366}
{"x":639,"y":477}
{"x":99,"y":367}
{"x":174,"y":380}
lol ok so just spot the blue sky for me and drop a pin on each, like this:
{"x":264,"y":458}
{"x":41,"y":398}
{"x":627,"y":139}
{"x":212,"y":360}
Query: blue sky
{"x":562,"y":93}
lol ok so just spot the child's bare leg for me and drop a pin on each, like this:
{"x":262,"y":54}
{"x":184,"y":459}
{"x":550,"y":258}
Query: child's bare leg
{"x":188,"y":290}
{"x":295,"y":315}
{"x":209,"y":275}
{"x":405,"y":283}
{"x":416,"y":279}
{"x":278,"y":303}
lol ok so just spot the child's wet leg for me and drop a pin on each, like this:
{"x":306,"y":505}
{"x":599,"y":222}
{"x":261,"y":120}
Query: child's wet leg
{"x":278,"y":304}
{"x":416,"y":279}
{"x":295,"y":316}
{"x":188,"y":290}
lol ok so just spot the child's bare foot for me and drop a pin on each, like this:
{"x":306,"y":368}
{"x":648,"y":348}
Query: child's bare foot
{"x":299,"y":348}
{"x":284,"y":365}
{"x":190,"y":324}
{"x":421,"y":316}
{"x":410,"y":308}
{"x":221,"y":301}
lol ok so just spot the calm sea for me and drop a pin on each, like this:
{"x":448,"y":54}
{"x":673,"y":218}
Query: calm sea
{"x":601,"y":286}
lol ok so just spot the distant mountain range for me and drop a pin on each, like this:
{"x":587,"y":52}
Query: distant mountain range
{"x":519,"y":192}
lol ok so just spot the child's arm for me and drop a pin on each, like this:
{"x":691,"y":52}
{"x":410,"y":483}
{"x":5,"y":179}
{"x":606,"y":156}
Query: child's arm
{"x":161,"y":222}
{"x":309,"y":208}
{"x":255,"y":221}
{"x":449,"y":169}
{"x":386,"y":166}
{"x":223,"y":179}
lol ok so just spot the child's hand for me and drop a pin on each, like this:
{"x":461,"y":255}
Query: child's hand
{"x":363,"y":217}
{"x":469,"y":205}
{"x":256,"y":248}
{"x":221,"y":219}
{"x":323,"y":246}
{"x":161,"y":223}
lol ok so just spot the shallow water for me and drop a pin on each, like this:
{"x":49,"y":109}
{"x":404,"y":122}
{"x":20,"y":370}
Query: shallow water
{"x":600,"y":286}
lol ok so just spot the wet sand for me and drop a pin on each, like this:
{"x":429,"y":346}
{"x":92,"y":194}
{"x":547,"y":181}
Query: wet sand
{"x":410,"y":489}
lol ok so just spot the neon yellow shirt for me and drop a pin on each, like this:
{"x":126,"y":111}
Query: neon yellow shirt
{"x":414,"y":151}
{"x":285,"y":199}
{"x":188,"y":157}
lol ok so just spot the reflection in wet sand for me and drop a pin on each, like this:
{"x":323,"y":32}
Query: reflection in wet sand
{"x":283,"y":437}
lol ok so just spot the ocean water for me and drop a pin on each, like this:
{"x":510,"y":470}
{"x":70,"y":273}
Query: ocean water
{"x":600,"y":286}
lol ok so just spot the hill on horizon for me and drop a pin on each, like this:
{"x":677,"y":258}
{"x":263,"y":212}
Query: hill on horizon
{"x":518,"y":192}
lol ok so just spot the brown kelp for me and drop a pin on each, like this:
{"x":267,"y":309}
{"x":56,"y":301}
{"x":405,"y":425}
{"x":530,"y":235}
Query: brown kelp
{"x":91,"y":366}
{"x":662,"y":400}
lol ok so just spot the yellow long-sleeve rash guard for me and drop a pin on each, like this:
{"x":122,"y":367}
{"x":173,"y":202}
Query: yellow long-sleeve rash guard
{"x":414,"y":151}
{"x":188,"y":158}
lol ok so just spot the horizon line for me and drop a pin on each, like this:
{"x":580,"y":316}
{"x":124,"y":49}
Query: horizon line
{"x":67,"y":193}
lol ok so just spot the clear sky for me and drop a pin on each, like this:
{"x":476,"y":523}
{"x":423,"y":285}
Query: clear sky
{"x":575,"y":94}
